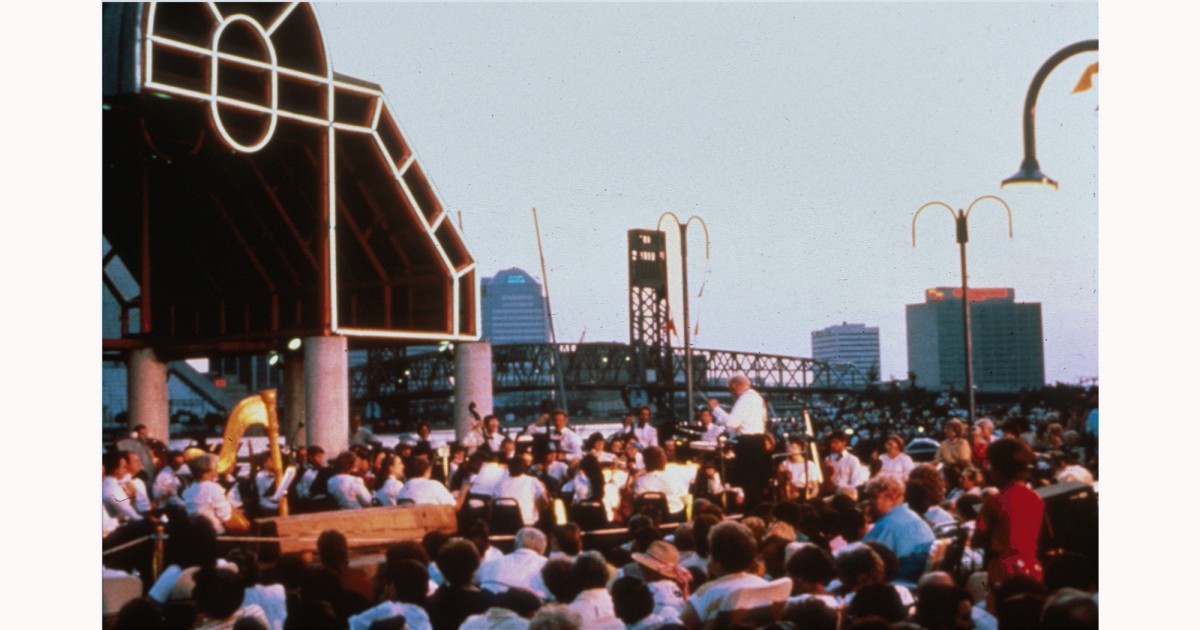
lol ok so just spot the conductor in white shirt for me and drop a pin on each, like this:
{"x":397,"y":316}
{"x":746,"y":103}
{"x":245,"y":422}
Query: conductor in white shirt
{"x":748,"y":420}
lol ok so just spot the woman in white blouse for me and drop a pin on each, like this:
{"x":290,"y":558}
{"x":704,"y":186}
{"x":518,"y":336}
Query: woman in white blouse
{"x":347,"y":488}
{"x":895,"y":462}
{"x":392,"y":482}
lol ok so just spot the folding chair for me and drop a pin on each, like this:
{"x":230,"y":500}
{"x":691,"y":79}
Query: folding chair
{"x":754,"y":606}
{"x":506,"y":516}
{"x":589,"y":515}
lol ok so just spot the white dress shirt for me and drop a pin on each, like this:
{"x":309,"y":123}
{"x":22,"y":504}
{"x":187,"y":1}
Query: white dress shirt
{"x":424,"y":491}
{"x":712,"y":433}
{"x":899,"y":467}
{"x":117,"y":501}
{"x":799,"y":476}
{"x":167,"y":487}
{"x":415,"y":617}
{"x":519,"y":569}
{"x":489,"y":478}
{"x":527,"y":491}
{"x":748,"y":415}
{"x":656,"y":481}
{"x":646,"y":436}
{"x":595,"y":607}
{"x":304,"y":486}
{"x":108,"y":522}
{"x":141,"y":498}
{"x":848,"y":472}
{"x":390,"y":491}
{"x":263,"y":480}
{"x":706,"y":601}
{"x":349,"y":491}
{"x":208,"y":499}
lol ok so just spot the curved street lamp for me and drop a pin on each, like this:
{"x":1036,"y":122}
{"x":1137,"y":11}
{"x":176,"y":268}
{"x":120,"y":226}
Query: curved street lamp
{"x":960,"y":227}
{"x":687,"y":322}
{"x":1030,"y":172}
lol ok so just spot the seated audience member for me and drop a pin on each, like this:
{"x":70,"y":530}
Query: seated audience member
{"x":347,"y":488}
{"x":512,"y":611}
{"x":944,"y":606}
{"x":878,"y":601}
{"x":1021,"y":611}
{"x":334,"y":552}
{"x":272,"y":598}
{"x":634,"y":605}
{"x":812,"y":569}
{"x":811,"y":614}
{"x":519,"y":569}
{"x":593,"y":604}
{"x":891,"y":566}
{"x":458,"y":598}
{"x":218,"y":597}
{"x":479,"y":533}
{"x":408,"y":587}
{"x":665,"y":578}
{"x":980,"y":617}
{"x":1070,"y":608}
{"x":858,"y":567}
{"x":556,"y":617}
{"x":898,"y":527}
{"x":927,"y":490}
{"x":732,"y":557}
{"x":556,"y":575}
{"x":567,"y":541}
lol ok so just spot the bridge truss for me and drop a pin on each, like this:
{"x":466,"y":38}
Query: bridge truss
{"x":603,"y":380}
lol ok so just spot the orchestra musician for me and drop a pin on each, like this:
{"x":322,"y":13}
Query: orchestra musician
{"x":568,"y":441}
{"x":800,"y":475}
{"x":748,"y":420}
{"x":486,"y":436}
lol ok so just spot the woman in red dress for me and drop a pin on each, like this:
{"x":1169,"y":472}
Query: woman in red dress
{"x":1011,"y":520}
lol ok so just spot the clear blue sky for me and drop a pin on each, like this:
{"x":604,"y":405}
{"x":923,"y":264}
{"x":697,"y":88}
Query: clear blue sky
{"x":806,"y":136}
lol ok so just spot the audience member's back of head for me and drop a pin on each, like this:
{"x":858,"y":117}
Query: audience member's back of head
{"x":940,"y":606}
{"x":311,"y":614}
{"x":409,"y":580}
{"x":701,"y":526}
{"x":431,"y":543}
{"x":877,"y":600}
{"x":732,"y":546}
{"x":522,"y":601}
{"x":556,"y":575}
{"x":643,"y":537}
{"x":529,"y":538}
{"x":632,"y":600}
{"x":589,"y":571}
{"x":333,"y":549}
{"x":458,"y":560}
{"x":891,"y":563}
{"x":556,"y":617}
{"x":812,"y":564}
{"x":1023,"y":610}
{"x":859,"y":567}
{"x":139,"y":613}
{"x":1070,"y":608}
{"x":812,"y":614}
{"x":218,"y":592}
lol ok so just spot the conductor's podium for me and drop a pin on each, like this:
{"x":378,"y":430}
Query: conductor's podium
{"x":369,"y":527}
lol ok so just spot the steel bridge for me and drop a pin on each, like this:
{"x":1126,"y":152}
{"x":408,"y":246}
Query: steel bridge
{"x":601,"y":380}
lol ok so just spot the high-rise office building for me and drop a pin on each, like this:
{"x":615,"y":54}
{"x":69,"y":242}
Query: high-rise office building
{"x":849,"y":344}
{"x":1006,"y":339}
{"x":514,"y":310}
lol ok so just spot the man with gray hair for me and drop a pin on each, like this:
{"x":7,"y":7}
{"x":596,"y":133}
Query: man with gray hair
{"x":748,"y":420}
{"x":520,"y":569}
{"x":898,"y":527}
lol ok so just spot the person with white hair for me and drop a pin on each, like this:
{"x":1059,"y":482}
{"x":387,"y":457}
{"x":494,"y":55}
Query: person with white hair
{"x":206,"y":497}
{"x":898,"y":527}
{"x":748,"y":419}
{"x":520,"y":569}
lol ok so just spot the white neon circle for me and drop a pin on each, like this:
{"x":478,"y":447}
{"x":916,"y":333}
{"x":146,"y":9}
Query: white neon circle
{"x":215,"y":100}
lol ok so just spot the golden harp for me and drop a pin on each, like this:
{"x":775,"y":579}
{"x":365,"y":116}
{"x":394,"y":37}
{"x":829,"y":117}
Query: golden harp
{"x":258,"y":409}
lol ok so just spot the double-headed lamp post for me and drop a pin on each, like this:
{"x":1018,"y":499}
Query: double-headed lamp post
{"x":1030,"y":172}
{"x":960,"y":226}
{"x":687,"y":325}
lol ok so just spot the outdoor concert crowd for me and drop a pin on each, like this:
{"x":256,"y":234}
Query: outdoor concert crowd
{"x":865,"y":516}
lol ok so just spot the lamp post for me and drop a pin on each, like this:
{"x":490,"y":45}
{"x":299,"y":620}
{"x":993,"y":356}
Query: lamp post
{"x":960,"y":228}
{"x":1030,"y":172}
{"x":687,"y":322}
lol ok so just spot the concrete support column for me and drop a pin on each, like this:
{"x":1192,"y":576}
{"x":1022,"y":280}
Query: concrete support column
{"x":147,"y":393}
{"x":472,"y":383}
{"x":294,"y":405}
{"x":327,"y":393}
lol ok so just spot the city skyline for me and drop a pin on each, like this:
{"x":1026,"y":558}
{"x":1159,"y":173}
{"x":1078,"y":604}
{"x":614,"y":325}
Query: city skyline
{"x":806,"y":136}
